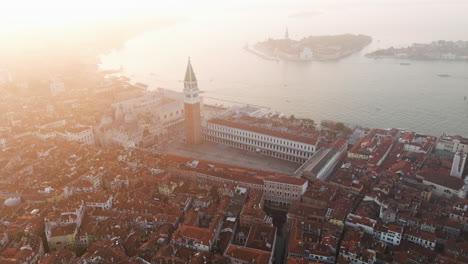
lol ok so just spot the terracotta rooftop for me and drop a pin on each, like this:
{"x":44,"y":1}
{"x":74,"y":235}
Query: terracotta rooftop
{"x":252,"y":124}
{"x":261,"y":236}
{"x":441,"y":177}
{"x":250,"y":255}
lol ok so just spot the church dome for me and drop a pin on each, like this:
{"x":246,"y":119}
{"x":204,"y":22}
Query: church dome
{"x":13,"y":201}
{"x":130,"y":119}
{"x":119,"y":113}
{"x":105,"y":121}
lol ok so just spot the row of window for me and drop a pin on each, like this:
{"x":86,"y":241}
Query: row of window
{"x":265,"y":138}
{"x":259,"y":143}
{"x":419,"y":240}
{"x":218,"y":180}
{"x":285,"y":193}
{"x":171,"y":114}
{"x":249,"y":148}
{"x":281,"y":186}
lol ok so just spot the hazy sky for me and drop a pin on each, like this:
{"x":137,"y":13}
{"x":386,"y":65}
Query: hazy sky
{"x":39,"y":24}
{"x":32,"y":13}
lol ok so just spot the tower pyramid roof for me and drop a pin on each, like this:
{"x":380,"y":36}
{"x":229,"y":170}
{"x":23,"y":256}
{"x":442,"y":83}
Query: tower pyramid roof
{"x":189,"y":74}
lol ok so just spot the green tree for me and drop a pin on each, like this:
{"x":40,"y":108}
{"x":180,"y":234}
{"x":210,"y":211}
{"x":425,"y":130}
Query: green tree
{"x":80,"y":251}
{"x":19,"y":235}
{"x":339,"y":126}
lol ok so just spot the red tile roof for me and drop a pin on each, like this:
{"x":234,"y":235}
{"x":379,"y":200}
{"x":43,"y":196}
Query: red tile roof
{"x":287,"y":180}
{"x":294,"y":135}
{"x":441,"y":177}
{"x":251,"y":255}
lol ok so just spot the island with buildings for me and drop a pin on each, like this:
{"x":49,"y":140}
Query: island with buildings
{"x":436,"y":50}
{"x":310,"y":48}
{"x":111,"y":172}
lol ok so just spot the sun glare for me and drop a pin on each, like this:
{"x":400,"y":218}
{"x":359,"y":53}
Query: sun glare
{"x":16,"y":15}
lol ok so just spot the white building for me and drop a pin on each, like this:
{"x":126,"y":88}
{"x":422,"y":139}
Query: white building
{"x":56,"y":86}
{"x":72,"y":216}
{"x":3,"y":239}
{"x":239,"y":129}
{"x":422,"y":238}
{"x":143,"y":121}
{"x":3,"y":143}
{"x":391,"y":235}
{"x":52,"y":124}
{"x":448,"y":56}
{"x":322,"y":164}
{"x":458,"y":164}
{"x":49,"y":129}
{"x":80,"y":133}
{"x":356,"y":221}
{"x":45,"y":134}
{"x":83,"y":134}
{"x":284,"y":190}
{"x":5,"y":76}
{"x":276,"y":190}
{"x":452,"y":143}
{"x":306,"y":54}
{"x":103,"y":202}
{"x":165,"y":105}
{"x":443,"y":184}
{"x":367,"y":256}
{"x":122,"y":137}
{"x":88,"y":183}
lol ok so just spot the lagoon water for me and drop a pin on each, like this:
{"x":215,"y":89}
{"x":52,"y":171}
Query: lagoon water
{"x":373,"y":93}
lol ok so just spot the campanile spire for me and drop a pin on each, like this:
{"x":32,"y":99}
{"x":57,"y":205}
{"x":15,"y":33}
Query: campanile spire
{"x":193,"y":128}
{"x":189,"y":74}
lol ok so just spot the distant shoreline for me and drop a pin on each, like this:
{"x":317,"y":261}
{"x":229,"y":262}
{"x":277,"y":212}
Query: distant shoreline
{"x":311,"y":48}
{"x":435,"y":51}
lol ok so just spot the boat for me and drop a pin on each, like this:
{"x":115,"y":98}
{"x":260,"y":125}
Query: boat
{"x":405,"y":63}
{"x":444,"y":75}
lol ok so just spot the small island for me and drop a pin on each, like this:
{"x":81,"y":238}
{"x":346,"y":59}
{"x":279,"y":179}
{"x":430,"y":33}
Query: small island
{"x":437,"y":50}
{"x":310,"y":48}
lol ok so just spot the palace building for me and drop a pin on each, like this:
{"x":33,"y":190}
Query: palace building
{"x":245,"y":128}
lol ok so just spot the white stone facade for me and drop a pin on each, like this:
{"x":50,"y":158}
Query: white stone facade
{"x":280,"y":192}
{"x":262,"y":143}
{"x":81,"y":134}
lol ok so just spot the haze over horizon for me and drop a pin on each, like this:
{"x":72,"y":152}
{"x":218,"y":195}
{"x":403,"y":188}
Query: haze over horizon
{"x":39,"y":37}
{"x":25,"y":15}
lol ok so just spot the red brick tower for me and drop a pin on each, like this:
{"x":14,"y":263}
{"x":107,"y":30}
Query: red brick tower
{"x":193,"y":127}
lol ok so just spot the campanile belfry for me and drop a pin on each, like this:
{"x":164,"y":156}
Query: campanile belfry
{"x":193,"y":127}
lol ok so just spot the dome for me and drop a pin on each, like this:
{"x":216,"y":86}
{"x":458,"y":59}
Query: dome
{"x":14,"y":201}
{"x":105,"y":121}
{"x":130,"y":118}
{"x":119,"y":112}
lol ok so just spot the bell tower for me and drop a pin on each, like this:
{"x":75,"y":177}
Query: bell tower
{"x":193,"y":128}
